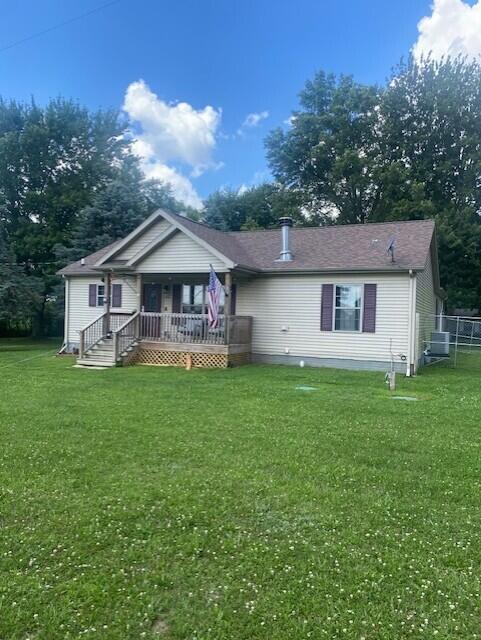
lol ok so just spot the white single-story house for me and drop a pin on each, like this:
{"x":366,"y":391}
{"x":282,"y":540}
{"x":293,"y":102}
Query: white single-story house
{"x":351,"y":296}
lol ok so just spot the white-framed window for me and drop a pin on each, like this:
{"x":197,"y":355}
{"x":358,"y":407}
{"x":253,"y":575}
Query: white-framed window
{"x":100,"y":295}
{"x":347,"y":307}
{"x":194,"y":299}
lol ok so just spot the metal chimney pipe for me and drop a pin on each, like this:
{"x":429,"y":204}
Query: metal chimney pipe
{"x":285,"y":223}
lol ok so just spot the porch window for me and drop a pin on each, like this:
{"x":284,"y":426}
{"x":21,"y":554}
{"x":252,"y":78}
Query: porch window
{"x":194,"y":299}
{"x":347,"y":309}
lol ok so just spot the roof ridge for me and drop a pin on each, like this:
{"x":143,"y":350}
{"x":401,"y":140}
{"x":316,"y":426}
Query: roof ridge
{"x":333,"y":226}
{"x":200,"y":224}
{"x":307,"y":228}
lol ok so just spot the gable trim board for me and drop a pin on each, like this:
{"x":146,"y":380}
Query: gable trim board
{"x":149,"y":222}
{"x":133,"y":235}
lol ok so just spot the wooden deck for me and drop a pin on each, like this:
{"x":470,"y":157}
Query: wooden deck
{"x":179,"y":339}
{"x":173,"y":339}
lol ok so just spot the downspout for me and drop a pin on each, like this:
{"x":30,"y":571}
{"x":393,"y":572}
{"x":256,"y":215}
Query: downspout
{"x":411,"y":367}
{"x":67,"y":314}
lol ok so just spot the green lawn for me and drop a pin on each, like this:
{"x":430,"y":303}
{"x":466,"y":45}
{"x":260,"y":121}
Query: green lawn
{"x":160,"y":503}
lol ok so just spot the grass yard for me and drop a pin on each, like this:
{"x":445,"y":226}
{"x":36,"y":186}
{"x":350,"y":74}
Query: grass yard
{"x":159,"y":503}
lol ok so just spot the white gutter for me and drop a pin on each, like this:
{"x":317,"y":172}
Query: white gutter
{"x":411,"y":366}
{"x":67,"y":311}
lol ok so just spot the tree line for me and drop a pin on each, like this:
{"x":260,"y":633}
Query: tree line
{"x":68,"y":186}
{"x":353,"y":153}
{"x":356,"y":153}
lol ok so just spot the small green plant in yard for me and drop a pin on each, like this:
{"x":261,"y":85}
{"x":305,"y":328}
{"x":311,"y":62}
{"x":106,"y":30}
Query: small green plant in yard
{"x":229,"y":504}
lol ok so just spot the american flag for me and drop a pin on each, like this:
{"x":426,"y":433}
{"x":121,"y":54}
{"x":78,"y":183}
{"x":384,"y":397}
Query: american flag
{"x":213,"y":290}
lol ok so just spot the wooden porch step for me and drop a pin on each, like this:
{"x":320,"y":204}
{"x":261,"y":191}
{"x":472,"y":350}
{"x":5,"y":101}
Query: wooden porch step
{"x":101,"y":352}
{"x":98,"y":356}
{"x":92,"y":362}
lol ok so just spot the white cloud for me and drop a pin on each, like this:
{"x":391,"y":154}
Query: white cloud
{"x":182,"y":187}
{"x":453,"y":28}
{"x":290,"y":120}
{"x":164,"y":133}
{"x":173,"y":132}
{"x":259,"y":177}
{"x":253,"y":119}
{"x":242,"y":189}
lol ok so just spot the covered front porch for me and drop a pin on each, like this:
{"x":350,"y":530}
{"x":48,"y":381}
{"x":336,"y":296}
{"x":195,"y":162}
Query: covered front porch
{"x":169,"y":326}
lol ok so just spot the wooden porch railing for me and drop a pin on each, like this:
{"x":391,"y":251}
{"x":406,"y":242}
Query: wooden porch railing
{"x":100,"y":328}
{"x":91,"y":334}
{"x":117,"y":320}
{"x":194,"y":328}
{"x":125,"y":329}
{"x":238,"y":330}
{"x":125,"y":335}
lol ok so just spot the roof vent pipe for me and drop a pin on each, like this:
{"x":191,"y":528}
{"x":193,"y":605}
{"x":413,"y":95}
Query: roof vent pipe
{"x":286,"y":223}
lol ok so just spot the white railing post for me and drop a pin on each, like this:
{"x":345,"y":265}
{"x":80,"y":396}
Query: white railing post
{"x":116,"y":345}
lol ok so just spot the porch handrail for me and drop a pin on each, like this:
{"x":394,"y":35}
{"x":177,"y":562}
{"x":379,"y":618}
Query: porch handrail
{"x":91,"y":334}
{"x":194,"y":328}
{"x":126,"y":335}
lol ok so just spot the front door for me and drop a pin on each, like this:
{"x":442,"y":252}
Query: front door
{"x":152,"y":303}
{"x":152,"y":297}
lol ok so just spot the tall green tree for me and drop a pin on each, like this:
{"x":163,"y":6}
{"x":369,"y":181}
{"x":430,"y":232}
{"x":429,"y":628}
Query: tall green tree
{"x":115,"y":211}
{"x":409,"y":150}
{"x":17,"y":292}
{"x":258,"y":207}
{"x":124,"y":202}
{"x":327,"y":155}
{"x":431,"y":126}
{"x":53,"y":159}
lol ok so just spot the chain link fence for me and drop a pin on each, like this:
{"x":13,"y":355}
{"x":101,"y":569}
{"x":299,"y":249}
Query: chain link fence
{"x":450,"y":336}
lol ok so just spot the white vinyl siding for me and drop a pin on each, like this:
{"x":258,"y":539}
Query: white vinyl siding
{"x":425,"y":305}
{"x":286,"y":312}
{"x":80,"y":314}
{"x":143,"y":240}
{"x":180,"y":254}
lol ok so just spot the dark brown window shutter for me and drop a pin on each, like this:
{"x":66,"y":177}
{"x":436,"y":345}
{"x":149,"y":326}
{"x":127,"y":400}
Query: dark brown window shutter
{"x":369,"y":315}
{"x":116,"y":295}
{"x":327,"y":304}
{"x":233,"y":298}
{"x":176,"y":297}
{"x":92,"y":295}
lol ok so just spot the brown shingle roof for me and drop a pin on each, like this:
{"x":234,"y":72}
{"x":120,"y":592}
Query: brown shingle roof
{"x":335,"y":248}
{"x":343,"y":247}
{"x":77,"y":269}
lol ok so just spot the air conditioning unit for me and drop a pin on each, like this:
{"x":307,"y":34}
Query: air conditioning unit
{"x":439,"y":344}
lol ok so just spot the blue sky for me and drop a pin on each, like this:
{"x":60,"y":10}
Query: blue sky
{"x":222,"y":59}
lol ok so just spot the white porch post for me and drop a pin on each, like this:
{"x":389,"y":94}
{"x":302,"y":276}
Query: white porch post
{"x":139,"y":292}
{"x":228,"y":296}
{"x":227,"y":306}
{"x":107,"y":292}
